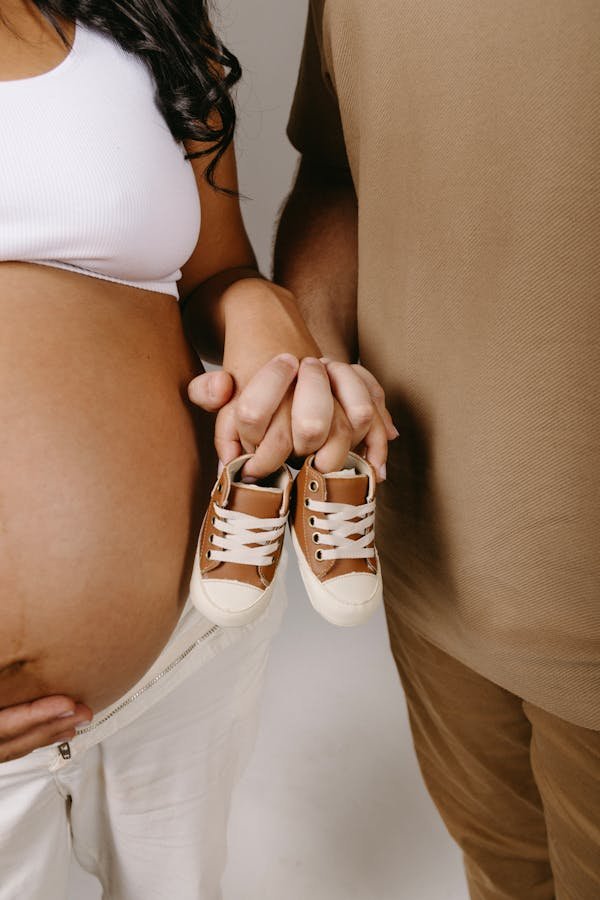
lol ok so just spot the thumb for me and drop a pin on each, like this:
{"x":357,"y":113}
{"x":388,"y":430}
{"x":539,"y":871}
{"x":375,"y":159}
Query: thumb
{"x":211,"y":390}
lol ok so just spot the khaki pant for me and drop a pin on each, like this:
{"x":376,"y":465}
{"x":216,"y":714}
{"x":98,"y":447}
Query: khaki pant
{"x":518,"y":788}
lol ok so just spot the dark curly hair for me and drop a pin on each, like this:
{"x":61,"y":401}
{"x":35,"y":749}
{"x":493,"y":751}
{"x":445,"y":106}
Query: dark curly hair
{"x":193,"y":71}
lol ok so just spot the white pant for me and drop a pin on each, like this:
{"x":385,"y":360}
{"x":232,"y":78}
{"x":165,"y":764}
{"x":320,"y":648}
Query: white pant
{"x":143,"y":795}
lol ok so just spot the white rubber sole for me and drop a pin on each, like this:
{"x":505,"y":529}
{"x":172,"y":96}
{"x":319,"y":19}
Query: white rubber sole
{"x":226,"y":618}
{"x":345,"y":615}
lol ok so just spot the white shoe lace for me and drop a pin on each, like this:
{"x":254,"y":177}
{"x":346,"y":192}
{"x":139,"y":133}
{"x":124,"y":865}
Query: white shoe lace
{"x":340,"y":529}
{"x":240,"y":530}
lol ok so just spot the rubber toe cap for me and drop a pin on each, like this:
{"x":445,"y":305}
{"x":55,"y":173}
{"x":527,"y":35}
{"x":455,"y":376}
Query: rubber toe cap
{"x":352,"y":590}
{"x":231,"y":596}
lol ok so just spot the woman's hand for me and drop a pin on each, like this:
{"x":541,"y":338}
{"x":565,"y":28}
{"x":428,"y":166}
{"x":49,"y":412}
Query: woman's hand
{"x":294,"y":409}
{"x":28,"y":726}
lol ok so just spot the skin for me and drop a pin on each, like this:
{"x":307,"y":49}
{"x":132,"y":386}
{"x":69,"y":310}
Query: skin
{"x":316,"y":256}
{"x":100,"y":413}
{"x":316,"y":259}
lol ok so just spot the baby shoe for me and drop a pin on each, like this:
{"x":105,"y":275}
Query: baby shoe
{"x":240,"y":545}
{"x":333,"y":534}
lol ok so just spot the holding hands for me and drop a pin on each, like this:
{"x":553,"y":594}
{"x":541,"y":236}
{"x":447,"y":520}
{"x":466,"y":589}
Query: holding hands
{"x":291,"y":408}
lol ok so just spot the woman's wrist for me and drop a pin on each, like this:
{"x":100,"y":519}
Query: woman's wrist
{"x":261,"y":320}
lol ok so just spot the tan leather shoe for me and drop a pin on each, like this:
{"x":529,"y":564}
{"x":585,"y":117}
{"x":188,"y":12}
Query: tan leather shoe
{"x":240,"y":546}
{"x":333,"y":534}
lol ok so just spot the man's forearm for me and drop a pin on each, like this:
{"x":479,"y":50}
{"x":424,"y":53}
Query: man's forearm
{"x":316,"y":257}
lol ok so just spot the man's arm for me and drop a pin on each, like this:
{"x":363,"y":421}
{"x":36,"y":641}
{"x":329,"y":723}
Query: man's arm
{"x":316,"y":255}
{"x":316,"y":250}
{"x":316,"y":258}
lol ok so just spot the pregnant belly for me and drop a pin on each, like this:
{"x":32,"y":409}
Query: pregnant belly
{"x":100,"y":483}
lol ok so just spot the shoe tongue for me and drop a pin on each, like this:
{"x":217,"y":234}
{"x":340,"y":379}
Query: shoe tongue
{"x":254,"y":500}
{"x":347,"y":487}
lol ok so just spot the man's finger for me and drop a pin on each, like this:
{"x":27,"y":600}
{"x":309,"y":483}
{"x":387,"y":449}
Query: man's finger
{"x":312,"y":407}
{"x":227,"y":442}
{"x":376,"y":447}
{"x":262,"y":396}
{"x":274,"y":449}
{"x":334,"y":451}
{"x":352,"y":394}
{"x":211,"y":390}
{"x":378,"y":397}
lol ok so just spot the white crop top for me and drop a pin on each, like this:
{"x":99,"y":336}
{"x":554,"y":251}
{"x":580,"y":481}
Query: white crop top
{"x":91,"y":178}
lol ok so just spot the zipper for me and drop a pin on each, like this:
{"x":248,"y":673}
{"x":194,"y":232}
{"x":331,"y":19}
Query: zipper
{"x":142,"y":690}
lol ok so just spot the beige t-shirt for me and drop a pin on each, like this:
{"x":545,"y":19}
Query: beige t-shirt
{"x":472,"y":131}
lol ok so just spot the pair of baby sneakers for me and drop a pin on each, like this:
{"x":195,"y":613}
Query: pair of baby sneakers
{"x":239,"y":556}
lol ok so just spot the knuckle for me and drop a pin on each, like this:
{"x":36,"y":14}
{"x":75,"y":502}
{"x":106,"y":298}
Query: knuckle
{"x":361,"y":415}
{"x":248,"y":415}
{"x":285,"y":364}
{"x":309,"y":430}
{"x":377,"y":393}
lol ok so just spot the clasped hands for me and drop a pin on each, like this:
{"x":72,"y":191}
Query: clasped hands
{"x":289,"y":409}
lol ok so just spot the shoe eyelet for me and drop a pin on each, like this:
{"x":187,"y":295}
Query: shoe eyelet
{"x":311,"y":521}
{"x":319,"y":555}
{"x":315,"y":537}
{"x":211,"y":539}
{"x":307,"y":502}
{"x":213,"y":521}
{"x":208,"y":554}
{"x":313,"y":486}
{"x":219,"y":488}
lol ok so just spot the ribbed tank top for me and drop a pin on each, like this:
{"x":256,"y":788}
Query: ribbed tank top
{"x":91,"y":178}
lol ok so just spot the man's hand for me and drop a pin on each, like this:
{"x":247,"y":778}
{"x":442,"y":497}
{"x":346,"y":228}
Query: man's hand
{"x":291,"y":409}
{"x":28,"y":726}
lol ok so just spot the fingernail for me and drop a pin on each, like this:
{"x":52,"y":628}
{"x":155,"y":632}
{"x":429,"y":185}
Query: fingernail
{"x":311,"y":361}
{"x":249,"y":479}
{"x":63,"y":736}
{"x":396,"y":433}
{"x":383,"y":472}
{"x":289,"y":359}
{"x":211,"y":388}
{"x":66,"y":715}
{"x":325,"y":360}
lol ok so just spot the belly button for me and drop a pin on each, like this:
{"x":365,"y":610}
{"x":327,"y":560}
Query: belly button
{"x":12,"y":668}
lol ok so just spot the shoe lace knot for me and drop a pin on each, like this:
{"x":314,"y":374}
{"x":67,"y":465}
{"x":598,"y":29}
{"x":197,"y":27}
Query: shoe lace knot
{"x":349,"y":530}
{"x":245,"y":539}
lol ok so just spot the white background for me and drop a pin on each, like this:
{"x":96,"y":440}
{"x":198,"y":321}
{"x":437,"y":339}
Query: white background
{"x":332,"y":806}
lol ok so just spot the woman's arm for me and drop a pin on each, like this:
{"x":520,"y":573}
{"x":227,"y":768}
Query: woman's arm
{"x":222,"y":290}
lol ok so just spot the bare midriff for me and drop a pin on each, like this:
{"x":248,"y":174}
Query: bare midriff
{"x":100,"y":482}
